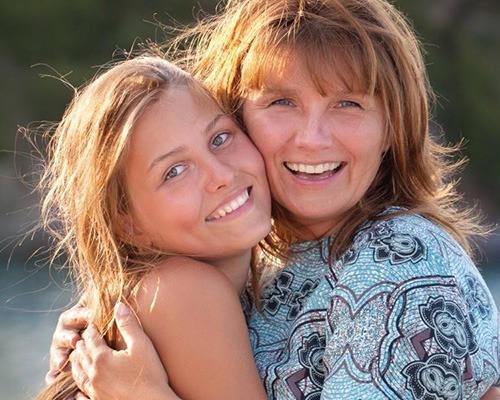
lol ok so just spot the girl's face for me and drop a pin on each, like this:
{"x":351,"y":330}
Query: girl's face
{"x":196,"y":183}
{"x":321,"y":151}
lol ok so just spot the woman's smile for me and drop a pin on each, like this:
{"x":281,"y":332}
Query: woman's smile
{"x":314,"y":171}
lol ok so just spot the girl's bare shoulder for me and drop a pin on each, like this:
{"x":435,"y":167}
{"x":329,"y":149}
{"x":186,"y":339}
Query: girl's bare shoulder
{"x":182,"y":282}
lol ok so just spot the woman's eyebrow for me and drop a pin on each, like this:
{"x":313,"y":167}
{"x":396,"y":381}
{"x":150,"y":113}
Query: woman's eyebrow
{"x":278,"y":90}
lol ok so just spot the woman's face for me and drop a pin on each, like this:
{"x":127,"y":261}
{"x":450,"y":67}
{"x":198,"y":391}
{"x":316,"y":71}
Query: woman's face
{"x":321,"y":152}
{"x":196,"y":183}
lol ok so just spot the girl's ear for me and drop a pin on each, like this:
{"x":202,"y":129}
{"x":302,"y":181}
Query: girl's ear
{"x":129,"y":232}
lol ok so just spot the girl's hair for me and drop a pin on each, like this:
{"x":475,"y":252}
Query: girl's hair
{"x":371,"y":48}
{"x":83,"y":193}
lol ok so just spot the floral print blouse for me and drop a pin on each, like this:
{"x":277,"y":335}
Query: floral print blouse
{"x":404,"y":314}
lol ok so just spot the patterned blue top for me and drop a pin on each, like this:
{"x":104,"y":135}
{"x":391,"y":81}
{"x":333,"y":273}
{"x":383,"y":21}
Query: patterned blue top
{"x":404,"y":314}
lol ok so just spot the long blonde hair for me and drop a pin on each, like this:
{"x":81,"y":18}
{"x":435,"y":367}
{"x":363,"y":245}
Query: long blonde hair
{"x":371,"y":47}
{"x":83,"y":190}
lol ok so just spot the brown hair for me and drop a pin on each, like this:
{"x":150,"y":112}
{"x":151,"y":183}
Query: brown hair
{"x":233,"y":51}
{"x":84,"y":194}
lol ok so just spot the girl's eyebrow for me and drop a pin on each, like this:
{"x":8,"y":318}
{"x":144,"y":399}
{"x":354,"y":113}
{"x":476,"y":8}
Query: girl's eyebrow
{"x":212,"y":123}
{"x":164,"y":156}
{"x":179,"y":149}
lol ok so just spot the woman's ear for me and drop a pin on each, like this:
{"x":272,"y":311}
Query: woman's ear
{"x":131,"y":233}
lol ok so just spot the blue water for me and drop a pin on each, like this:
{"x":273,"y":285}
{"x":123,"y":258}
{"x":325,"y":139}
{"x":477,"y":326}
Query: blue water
{"x":30,"y":301}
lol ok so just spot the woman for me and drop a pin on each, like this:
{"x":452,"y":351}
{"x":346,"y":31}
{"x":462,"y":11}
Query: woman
{"x":145,"y":170}
{"x":375,"y":294}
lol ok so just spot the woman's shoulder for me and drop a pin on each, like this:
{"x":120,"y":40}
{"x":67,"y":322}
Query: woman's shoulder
{"x":400,"y":225}
{"x":410,"y":254}
{"x":406,"y":243}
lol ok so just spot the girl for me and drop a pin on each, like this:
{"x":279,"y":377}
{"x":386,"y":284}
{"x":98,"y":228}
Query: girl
{"x":145,"y":171}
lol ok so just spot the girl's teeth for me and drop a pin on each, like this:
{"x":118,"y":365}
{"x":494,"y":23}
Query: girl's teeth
{"x":232,"y":206}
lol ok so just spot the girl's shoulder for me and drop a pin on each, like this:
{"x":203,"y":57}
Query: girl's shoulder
{"x":179,"y":283}
{"x":192,"y":313}
{"x":180,"y":268}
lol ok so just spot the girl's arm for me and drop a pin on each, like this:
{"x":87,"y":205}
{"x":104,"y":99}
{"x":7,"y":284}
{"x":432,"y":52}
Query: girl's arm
{"x":192,"y":314}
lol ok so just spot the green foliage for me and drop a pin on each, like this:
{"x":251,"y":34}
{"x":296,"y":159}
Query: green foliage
{"x":66,"y":38}
{"x":462,"y":40}
{"x":71,"y":37}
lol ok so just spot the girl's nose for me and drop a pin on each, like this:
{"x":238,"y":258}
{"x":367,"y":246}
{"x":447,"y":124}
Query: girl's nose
{"x":219,"y":174}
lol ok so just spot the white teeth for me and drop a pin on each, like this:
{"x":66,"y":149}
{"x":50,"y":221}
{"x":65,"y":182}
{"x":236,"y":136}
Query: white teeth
{"x":313,"y":169}
{"x":231,"y":206}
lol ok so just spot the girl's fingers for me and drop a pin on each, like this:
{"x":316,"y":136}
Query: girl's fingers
{"x":80,"y":377}
{"x":84,"y":358}
{"x":94,"y":342}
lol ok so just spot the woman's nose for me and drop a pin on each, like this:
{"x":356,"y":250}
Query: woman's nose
{"x":314,"y":132}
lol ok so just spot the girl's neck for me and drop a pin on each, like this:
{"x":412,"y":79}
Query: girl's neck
{"x":236,"y":268}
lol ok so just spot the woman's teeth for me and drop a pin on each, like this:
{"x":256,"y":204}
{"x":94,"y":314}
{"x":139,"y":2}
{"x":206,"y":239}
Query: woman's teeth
{"x":233,"y":205}
{"x":312,"y":169}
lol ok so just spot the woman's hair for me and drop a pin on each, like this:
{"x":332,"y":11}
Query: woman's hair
{"x":83,"y":192}
{"x":370,"y":47}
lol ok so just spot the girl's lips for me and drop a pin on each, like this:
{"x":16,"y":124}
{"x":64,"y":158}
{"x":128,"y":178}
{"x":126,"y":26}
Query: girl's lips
{"x":230,"y":206}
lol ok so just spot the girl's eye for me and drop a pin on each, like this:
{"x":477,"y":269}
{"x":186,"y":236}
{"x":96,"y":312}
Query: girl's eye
{"x":220,"y":139}
{"x":174,"y":172}
{"x":281,"y":102}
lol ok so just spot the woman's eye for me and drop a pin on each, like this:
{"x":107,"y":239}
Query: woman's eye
{"x":348,"y":103}
{"x":281,"y":102}
{"x":220,"y":139}
{"x":174,"y":171}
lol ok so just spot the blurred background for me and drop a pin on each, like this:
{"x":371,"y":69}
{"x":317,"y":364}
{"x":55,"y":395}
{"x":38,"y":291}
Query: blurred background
{"x":71,"y":38}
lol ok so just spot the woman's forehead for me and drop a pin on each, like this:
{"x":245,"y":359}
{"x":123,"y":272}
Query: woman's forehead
{"x":325,"y":70}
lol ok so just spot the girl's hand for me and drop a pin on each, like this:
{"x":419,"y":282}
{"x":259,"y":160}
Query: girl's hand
{"x":66,"y":335}
{"x":135,"y":372}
